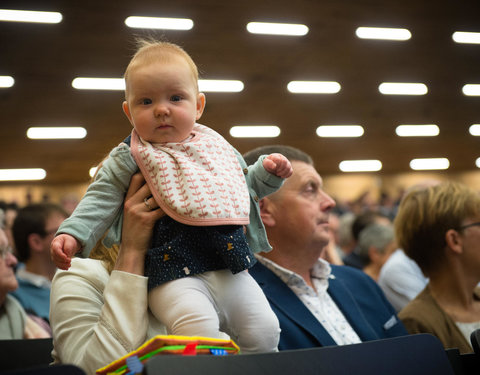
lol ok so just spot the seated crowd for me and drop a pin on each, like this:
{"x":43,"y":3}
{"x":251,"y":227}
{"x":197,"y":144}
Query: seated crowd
{"x":412,"y":267}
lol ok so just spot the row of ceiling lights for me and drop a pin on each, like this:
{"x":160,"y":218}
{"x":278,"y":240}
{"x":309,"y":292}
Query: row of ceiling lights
{"x":387,"y":88}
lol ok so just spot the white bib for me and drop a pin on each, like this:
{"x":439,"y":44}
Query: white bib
{"x":196,"y":182}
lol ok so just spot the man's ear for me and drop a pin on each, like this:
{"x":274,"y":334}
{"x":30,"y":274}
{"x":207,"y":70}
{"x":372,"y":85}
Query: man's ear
{"x":266,"y":206}
{"x":35,"y":242}
{"x":454,"y":241}
{"x":126,"y":110}
{"x":201,"y":101}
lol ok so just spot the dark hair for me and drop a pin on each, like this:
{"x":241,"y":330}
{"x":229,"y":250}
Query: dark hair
{"x":32,"y":219}
{"x":365,"y":219}
{"x":291,"y":153}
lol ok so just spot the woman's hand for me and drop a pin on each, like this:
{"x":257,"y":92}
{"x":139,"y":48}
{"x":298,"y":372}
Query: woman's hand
{"x":140,"y":213}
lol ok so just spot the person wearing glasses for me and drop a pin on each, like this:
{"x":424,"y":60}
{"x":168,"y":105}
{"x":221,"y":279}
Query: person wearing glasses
{"x":439,"y":228}
{"x":14,"y":322}
{"x":33,"y":231}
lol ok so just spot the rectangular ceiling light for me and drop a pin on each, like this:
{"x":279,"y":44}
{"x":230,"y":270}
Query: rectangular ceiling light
{"x":6,"y":81}
{"x":159,"y":23}
{"x":466,"y":37}
{"x":255,"y":131}
{"x":385,"y":33}
{"x":417,"y":130}
{"x":334,"y":131}
{"x":25,"y":174}
{"x":313,"y":87}
{"x":277,"y":28}
{"x":74,"y":132}
{"x":474,"y":130}
{"x":360,"y":165}
{"x":471,"y":90}
{"x":85,"y":83}
{"x":217,"y":85}
{"x":11,"y":15}
{"x":424,"y":164}
{"x":396,"y":88}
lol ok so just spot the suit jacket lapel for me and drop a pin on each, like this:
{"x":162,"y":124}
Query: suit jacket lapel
{"x":285,"y":300}
{"x":350,"y":309}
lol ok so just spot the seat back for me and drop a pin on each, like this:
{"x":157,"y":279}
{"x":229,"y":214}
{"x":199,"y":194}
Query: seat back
{"x":25,"y":353}
{"x":413,"y":355}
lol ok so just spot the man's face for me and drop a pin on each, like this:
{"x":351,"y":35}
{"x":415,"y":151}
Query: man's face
{"x":301,"y":208}
{"x":8,"y":282}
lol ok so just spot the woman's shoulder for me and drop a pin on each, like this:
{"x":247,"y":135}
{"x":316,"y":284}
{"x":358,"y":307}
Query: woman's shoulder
{"x":84,"y":270}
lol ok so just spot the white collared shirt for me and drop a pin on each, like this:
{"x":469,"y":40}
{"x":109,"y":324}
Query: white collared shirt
{"x":35,"y":279}
{"x":317,"y":300}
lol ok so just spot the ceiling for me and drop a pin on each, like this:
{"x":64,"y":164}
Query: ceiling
{"x":92,"y":41}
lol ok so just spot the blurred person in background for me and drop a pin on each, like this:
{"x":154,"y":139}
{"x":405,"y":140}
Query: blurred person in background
{"x":375,"y":245}
{"x":439,"y":228}
{"x":33,"y":231}
{"x":14,"y":322}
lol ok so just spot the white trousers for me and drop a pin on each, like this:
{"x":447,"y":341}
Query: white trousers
{"x":215,"y":302}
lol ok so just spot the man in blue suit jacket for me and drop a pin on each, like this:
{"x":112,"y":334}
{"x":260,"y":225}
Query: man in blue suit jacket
{"x":317,"y":304}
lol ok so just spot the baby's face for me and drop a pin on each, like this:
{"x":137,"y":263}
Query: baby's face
{"x":163,"y":103}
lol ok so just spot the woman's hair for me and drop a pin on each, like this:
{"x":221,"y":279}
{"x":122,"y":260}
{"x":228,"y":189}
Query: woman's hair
{"x":426,"y":214}
{"x":150,"y":51}
{"x":107,"y":255}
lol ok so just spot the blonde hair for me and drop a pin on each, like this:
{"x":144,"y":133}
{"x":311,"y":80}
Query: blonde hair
{"x":150,"y":51}
{"x":107,"y":255}
{"x":426,"y":214}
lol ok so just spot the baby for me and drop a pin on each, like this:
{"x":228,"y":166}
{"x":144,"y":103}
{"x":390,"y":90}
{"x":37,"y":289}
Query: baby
{"x":198,"y":261}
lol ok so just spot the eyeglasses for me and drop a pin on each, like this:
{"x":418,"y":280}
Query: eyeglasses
{"x":4,"y":251}
{"x":469,"y":225}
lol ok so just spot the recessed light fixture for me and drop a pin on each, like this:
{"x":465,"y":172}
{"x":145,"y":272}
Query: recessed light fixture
{"x":397,"y":88}
{"x":6,"y":81}
{"x":332,"y":131}
{"x":255,"y":131}
{"x":86,"y":83}
{"x":360,"y":165}
{"x":270,"y":28}
{"x":385,"y":33}
{"x":471,"y":90}
{"x":24,"y":174}
{"x":417,"y":130}
{"x":159,"y":23}
{"x":423,"y":164}
{"x":73,"y":132}
{"x":218,"y":85}
{"x":313,"y":87}
{"x":466,"y":37}
{"x":11,"y":15}
{"x":474,"y":129}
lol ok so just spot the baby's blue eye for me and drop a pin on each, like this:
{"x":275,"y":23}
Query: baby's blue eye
{"x":176,"y":98}
{"x":146,"y":101}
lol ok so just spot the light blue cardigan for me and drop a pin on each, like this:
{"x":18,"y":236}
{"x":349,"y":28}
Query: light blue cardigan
{"x":101,"y":208}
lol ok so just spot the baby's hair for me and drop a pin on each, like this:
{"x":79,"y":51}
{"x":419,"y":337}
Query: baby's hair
{"x":151,"y":50}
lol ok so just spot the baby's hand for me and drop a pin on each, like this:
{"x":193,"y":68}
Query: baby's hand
{"x":62,"y":250}
{"x":278,"y":165}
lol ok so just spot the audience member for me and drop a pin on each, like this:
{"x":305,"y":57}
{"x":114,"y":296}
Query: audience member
{"x":14,"y":322}
{"x":317,"y":304}
{"x":375,"y":245}
{"x":346,"y":241}
{"x":401,"y":279}
{"x":99,"y":307}
{"x":33,"y":231}
{"x":439,"y":228}
{"x":10,"y":210}
{"x":360,"y":222}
